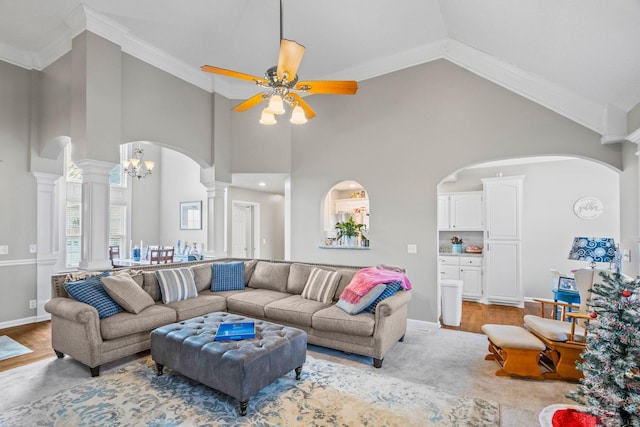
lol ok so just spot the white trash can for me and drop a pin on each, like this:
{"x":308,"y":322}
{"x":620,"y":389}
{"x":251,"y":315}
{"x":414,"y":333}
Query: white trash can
{"x":451,"y":291}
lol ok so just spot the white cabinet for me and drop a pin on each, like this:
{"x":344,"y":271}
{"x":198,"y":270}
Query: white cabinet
{"x":469,"y":269}
{"x":503,"y":213}
{"x":460,"y":211}
{"x":503,"y":272}
{"x":503,"y":207}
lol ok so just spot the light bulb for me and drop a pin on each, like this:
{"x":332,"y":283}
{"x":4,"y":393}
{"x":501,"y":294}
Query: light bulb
{"x":267,"y":118}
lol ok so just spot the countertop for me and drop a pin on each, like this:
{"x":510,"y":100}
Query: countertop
{"x":462,"y":254}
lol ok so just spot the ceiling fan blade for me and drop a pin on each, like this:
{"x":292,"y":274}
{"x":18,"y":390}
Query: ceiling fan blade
{"x":335,"y":87}
{"x":251,"y":102}
{"x":289,"y":59}
{"x":230,"y":73}
{"x":308,"y":112}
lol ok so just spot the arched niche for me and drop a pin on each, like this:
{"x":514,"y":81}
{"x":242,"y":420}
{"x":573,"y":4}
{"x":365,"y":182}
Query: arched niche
{"x":344,"y":202}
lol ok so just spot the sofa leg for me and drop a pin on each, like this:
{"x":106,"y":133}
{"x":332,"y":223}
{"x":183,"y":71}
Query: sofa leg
{"x":401,"y":339}
{"x":59,"y":354}
{"x":377,"y":363}
{"x":95,"y":371}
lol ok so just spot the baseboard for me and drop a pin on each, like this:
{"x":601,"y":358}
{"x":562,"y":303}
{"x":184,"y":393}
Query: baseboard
{"x":421,"y":325}
{"x":18,"y":322}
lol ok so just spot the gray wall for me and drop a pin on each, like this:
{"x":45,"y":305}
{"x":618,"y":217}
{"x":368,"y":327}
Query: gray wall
{"x":548,"y":223}
{"x":18,"y":195}
{"x":399,"y":137}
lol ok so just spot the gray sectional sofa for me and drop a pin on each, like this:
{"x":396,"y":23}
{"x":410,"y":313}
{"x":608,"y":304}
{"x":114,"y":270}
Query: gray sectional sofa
{"x":272,"y":292}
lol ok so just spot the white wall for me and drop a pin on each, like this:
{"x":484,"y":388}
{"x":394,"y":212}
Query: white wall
{"x":548,"y":223}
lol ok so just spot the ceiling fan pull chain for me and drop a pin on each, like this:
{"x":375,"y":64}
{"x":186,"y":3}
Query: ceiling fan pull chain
{"x":281,"y":35}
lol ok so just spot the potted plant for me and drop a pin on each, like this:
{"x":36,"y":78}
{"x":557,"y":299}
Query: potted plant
{"x":350,"y":230}
{"x":456,"y":243}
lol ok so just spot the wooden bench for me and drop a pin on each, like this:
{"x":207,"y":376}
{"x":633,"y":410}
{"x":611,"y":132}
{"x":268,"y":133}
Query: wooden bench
{"x":515,"y":349}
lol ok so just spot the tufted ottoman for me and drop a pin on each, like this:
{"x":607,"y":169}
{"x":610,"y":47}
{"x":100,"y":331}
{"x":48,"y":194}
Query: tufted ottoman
{"x":237,"y":368}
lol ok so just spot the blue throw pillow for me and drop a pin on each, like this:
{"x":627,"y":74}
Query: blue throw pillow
{"x":90,"y":291}
{"x":228,"y":276}
{"x":391,"y":289}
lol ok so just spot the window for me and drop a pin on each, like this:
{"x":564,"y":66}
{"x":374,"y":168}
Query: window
{"x":73,"y":234}
{"x":117,"y":221}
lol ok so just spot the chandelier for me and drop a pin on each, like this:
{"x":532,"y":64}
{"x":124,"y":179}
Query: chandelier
{"x":136,"y":167}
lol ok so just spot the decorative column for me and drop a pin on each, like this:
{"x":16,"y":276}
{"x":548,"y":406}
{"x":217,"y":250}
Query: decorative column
{"x":216,"y":214}
{"x":95,"y":214}
{"x":46,"y":239}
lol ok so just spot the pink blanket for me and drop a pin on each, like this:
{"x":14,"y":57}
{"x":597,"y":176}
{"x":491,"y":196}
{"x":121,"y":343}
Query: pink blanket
{"x":365,"y":279}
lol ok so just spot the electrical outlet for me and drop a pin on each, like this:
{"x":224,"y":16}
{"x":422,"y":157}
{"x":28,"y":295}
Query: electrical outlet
{"x":33,"y":248}
{"x":33,"y":303}
{"x":4,"y":250}
{"x":626,"y":255}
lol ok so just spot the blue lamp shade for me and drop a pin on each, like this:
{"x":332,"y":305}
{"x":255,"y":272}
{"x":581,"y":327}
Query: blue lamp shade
{"x":593,"y":249}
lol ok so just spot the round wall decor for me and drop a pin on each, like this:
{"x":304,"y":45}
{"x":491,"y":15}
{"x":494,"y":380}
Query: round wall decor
{"x":588,"y":208}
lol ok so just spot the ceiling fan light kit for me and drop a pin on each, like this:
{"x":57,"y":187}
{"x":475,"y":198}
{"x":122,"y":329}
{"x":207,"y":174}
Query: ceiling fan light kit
{"x":281,"y":82}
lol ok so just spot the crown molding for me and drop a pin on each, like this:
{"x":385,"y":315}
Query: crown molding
{"x":607,"y":120}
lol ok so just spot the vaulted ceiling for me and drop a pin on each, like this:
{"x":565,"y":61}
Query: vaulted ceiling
{"x":579,"y":58}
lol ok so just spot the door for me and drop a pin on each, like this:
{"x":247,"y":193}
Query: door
{"x":245,"y":230}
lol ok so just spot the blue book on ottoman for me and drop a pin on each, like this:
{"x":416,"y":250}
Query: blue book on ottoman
{"x":235,"y":331}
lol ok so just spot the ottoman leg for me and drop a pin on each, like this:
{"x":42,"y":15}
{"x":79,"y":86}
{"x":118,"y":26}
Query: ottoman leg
{"x":243,"y":407}
{"x":298,"y":371}
{"x":159,"y":368}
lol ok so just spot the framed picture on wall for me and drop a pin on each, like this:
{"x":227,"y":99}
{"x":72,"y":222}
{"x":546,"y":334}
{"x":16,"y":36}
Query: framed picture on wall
{"x":191,"y":215}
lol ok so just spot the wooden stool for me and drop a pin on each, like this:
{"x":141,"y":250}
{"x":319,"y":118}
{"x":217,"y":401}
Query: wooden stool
{"x":515,"y":349}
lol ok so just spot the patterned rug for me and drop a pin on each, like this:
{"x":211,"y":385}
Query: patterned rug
{"x":10,"y":348}
{"x":327,"y":394}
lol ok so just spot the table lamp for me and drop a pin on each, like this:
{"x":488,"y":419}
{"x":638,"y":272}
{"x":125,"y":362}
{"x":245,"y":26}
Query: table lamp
{"x":593,"y":249}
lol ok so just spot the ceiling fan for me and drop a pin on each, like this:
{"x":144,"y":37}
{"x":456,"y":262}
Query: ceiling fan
{"x":282,"y":84}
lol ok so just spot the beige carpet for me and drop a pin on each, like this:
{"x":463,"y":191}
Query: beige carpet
{"x":448,"y":360}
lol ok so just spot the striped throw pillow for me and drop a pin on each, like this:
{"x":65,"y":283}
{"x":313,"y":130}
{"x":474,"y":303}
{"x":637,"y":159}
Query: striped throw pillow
{"x":321,"y":285}
{"x":391,"y":289}
{"x":176,"y":284}
{"x":228,"y":276}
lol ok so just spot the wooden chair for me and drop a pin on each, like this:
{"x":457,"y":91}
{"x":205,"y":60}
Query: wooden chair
{"x":161,"y":256}
{"x":114,"y":252}
{"x":564,"y":340}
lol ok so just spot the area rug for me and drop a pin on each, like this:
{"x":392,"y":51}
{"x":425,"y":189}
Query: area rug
{"x":328,"y":394}
{"x":10,"y":348}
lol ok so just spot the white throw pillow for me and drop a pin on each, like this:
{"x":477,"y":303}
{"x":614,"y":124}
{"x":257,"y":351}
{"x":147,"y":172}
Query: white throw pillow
{"x":365,"y":300}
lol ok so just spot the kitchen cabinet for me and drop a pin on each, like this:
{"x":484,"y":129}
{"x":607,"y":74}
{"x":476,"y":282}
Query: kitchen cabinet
{"x":468,"y":269}
{"x":503,"y":272}
{"x":503,"y":216}
{"x":460,"y":211}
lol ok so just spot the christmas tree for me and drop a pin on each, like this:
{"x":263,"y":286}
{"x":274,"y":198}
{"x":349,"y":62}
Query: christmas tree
{"x":610,"y":388}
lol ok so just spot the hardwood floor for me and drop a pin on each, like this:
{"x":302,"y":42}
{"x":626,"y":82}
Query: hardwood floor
{"x":37,"y":336}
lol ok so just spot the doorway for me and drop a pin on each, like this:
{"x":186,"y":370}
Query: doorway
{"x":245,"y":230}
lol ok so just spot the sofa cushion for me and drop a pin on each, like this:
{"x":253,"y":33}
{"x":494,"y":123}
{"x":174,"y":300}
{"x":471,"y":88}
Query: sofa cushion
{"x":334,"y":319}
{"x":321,"y":285}
{"x":252,"y":303}
{"x":90,"y":291}
{"x":270,"y":275}
{"x":126,"y":292}
{"x":293,"y":310}
{"x":249,"y":268}
{"x":198,"y":306}
{"x":125,"y":323}
{"x":345,"y":278}
{"x":151,"y":286}
{"x":202,"y":276}
{"x":176,"y":284}
{"x":298,"y":276}
{"x":365,"y":300}
{"x":390,"y":289}
{"x":228,"y":276}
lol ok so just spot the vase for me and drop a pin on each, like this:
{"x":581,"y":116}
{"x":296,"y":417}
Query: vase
{"x":350,"y":241}
{"x":457,"y":248}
